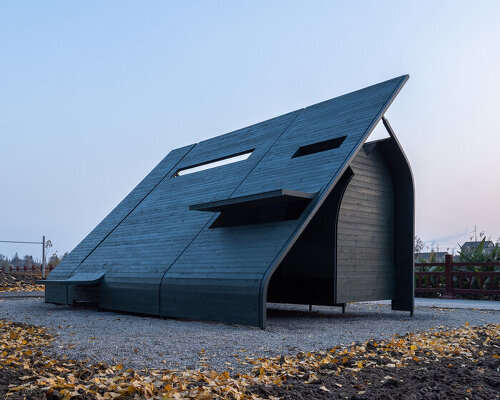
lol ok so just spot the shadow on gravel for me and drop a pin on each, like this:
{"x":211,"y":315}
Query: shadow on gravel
{"x":288,"y":314}
{"x":352,"y":314}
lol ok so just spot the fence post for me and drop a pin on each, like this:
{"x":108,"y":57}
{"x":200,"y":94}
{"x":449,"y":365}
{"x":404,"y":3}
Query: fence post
{"x":448,"y":280}
{"x":43,"y":257}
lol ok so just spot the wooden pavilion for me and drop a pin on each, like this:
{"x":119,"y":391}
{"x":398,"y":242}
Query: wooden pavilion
{"x":295,"y":209}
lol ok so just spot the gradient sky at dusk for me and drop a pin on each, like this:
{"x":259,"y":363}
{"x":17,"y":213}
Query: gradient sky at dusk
{"x":94,"y":94}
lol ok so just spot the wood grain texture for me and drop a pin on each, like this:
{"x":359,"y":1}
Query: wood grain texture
{"x":376,"y":205}
{"x":159,"y":257}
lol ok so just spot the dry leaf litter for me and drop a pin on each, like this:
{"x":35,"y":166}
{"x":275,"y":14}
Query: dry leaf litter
{"x":19,"y":283}
{"x":22,"y":347}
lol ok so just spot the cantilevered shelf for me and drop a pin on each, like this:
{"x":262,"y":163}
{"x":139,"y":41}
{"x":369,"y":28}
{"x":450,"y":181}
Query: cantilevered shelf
{"x":82,"y":279}
{"x":280,"y":196}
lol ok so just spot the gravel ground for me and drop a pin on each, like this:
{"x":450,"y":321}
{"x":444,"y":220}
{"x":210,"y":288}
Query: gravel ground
{"x":147,"y":342}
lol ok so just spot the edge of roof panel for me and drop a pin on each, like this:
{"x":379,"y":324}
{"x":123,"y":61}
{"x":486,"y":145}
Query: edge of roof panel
{"x":329,"y":187}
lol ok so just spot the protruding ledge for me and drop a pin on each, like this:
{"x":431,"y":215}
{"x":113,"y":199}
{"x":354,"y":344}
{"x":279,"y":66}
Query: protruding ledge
{"x":279,"y":196}
{"x":83,"y":279}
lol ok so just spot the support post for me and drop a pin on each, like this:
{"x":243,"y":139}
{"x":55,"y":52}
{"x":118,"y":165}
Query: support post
{"x":448,"y":282}
{"x":43,"y":257}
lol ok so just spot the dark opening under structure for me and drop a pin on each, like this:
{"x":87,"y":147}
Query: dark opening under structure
{"x":277,"y":205}
{"x":296,"y":209}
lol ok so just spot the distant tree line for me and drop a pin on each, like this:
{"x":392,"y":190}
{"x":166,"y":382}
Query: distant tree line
{"x":28,"y":259}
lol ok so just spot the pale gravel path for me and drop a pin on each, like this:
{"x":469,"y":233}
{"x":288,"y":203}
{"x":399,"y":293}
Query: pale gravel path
{"x":148,"y":342}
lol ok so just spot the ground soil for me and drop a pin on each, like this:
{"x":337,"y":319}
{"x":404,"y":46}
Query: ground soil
{"x":472,"y":373}
{"x":12,"y":377}
{"x":464,"y":380}
{"x":455,"y":378}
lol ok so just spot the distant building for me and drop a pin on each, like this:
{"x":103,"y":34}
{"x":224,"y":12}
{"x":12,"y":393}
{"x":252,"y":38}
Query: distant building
{"x":471,"y":246}
{"x":17,"y":261}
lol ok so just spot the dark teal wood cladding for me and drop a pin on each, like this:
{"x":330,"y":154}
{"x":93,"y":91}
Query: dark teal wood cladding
{"x":140,"y":250}
{"x":404,"y":221}
{"x":365,"y":241}
{"x":119,"y":213}
{"x":159,"y":257}
{"x":307,"y":275}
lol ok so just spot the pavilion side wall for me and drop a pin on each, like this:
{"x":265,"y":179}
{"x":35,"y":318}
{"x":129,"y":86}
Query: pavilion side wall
{"x":365,"y":231}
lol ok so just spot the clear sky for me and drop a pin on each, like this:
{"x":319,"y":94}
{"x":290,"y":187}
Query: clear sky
{"x":94,"y":94}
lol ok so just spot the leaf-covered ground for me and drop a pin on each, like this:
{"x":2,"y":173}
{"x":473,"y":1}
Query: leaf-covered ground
{"x":18,"y":283}
{"x":458,"y":364}
{"x":461,"y":363}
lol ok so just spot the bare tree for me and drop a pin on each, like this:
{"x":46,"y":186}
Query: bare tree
{"x":419,"y":245}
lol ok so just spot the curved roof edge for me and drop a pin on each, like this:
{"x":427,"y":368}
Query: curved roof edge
{"x":322,"y":196}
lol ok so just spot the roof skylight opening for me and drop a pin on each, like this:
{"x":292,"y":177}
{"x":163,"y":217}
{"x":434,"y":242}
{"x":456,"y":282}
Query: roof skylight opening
{"x":319,"y":147}
{"x":213,"y":164}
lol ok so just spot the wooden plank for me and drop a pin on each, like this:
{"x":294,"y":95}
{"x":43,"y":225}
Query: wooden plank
{"x":69,"y":264}
{"x":254,"y":200}
{"x":365,"y":267}
{"x":161,"y":258}
{"x":144,"y":246}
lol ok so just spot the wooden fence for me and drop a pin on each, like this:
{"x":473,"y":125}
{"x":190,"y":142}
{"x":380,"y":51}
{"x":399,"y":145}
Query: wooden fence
{"x":451,"y":282}
{"x":448,"y":283}
{"x":33,"y":270}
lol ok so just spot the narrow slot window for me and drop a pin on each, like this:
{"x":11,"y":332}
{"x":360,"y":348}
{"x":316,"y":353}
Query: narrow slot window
{"x":215,"y":163}
{"x":319,"y":147}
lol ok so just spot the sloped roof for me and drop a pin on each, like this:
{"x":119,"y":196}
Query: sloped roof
{"x":474,"y":245}
{"x":160,"y":235}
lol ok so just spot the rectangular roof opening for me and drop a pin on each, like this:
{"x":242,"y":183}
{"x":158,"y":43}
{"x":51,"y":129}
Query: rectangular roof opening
{"x":214,"y":163}
{"x":319,"y":147}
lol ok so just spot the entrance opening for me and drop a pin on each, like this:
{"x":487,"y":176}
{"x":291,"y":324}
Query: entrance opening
{"x":307,"y":273}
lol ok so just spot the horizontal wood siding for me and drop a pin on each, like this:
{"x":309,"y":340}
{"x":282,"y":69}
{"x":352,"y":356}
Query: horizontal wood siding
{"x":365,"y":243}
{"x":56,"y":293}
{"x":139,"y":251}
{"x":160,"y":257}
{"x":67,"y":266}
{"x":251,"y":250}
